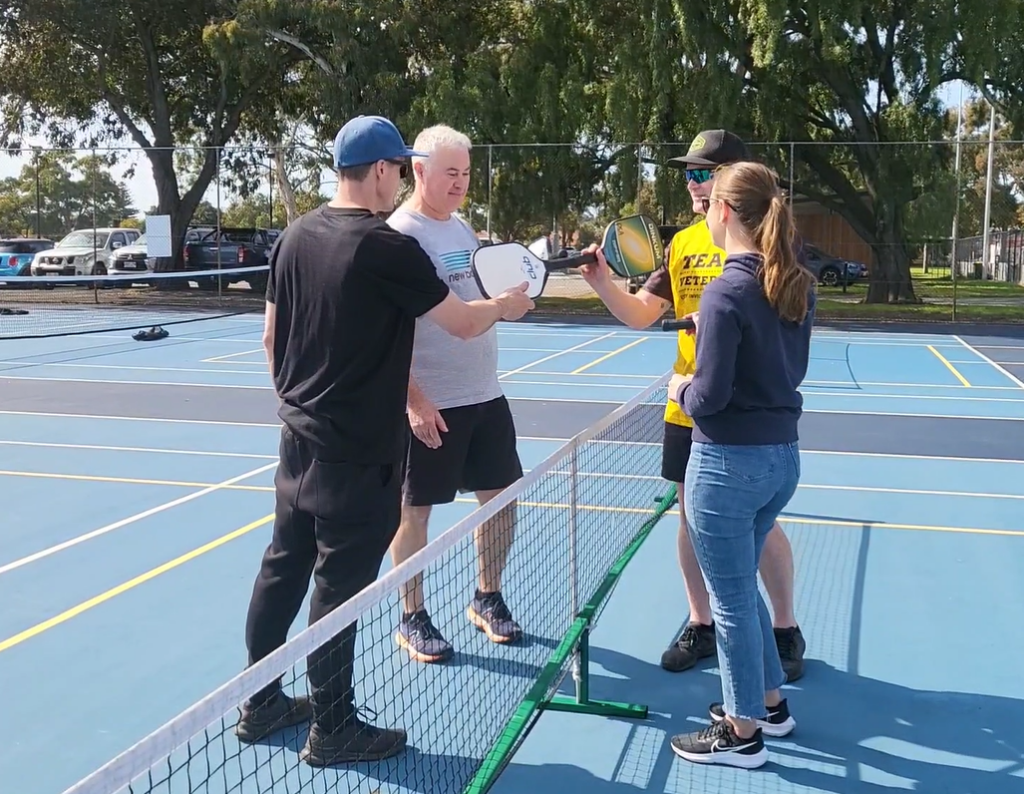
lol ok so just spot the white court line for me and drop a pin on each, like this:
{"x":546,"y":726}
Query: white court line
{"x":838,"y":453}
{"x":884,"y":384}
{"x":911,"y":415}
{"x":998,"y":347}
{"x":226,"y":356}
{"x":154,"y":419}
{"x":990,"y":361}
{"x":254,"y":387}
{"x":815,"y":486}
{"x":906,"y":456}
{"x":70,"y":365}
{"x":955,"y":397}
{"x":145,"y":450}
{"x":161,"y":383}
{"x":67,"y":544}
{"x":575,"y":384}
{"x":555,"y":355}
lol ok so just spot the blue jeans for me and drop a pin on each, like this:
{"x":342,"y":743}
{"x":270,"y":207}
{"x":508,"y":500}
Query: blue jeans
{"x":732,"y":496}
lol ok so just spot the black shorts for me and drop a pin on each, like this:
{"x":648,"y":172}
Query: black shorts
{"x":478,"y":453}
{"x":675,"y":451}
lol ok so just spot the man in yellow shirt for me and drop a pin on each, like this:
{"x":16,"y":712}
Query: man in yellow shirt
{"x":693,"y":260}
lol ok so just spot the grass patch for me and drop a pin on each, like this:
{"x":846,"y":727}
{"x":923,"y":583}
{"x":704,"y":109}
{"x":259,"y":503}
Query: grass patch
{"x":828,"y":309}
{"x":841,"y":310}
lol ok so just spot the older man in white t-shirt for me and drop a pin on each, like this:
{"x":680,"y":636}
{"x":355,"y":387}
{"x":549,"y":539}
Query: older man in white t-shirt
{"x":463,"y":435}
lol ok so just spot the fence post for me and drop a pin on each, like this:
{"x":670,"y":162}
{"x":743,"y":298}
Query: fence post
{"x":490,"y":184}
{"x":579,"y":656}
{"x":792,"y":172}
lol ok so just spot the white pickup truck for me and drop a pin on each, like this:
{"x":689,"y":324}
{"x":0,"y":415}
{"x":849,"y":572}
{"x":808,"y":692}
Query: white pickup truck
{"x":86,"y":252}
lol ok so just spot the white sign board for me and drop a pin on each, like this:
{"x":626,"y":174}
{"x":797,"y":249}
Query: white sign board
{"x":158,"y":236}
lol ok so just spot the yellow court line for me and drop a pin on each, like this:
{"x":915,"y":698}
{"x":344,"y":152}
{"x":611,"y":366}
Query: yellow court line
{"x":607,"y":356}
{"x":85,"y":606}
{"x":949,"y":366}
{"x":133,"y":481}
{"x":782,"y":519}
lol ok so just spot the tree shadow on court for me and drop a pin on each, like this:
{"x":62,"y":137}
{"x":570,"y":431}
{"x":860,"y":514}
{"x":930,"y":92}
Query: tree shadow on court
{"x":854,"y":735}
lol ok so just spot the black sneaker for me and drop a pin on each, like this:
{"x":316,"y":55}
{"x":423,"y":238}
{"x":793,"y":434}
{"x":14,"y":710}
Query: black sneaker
{"x":719,"y":744}
{"x":489,"y":613}
{"x":354,"y":744}
{"x":695,"y":643}
{"x":779,"y":722}
{"x":280,"y":712}
{"x":422,"y":640}
{"x":791,"y":651}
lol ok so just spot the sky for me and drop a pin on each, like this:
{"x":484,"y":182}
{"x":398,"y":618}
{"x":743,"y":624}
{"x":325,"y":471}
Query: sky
{"x":143,"y":192}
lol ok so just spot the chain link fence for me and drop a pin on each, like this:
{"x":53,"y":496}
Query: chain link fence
{"x":903,"y":230}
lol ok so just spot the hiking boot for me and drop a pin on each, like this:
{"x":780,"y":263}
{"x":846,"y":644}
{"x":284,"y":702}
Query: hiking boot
{"x":489,"y":613}
{"x":421,"y":639}
{"x":358,"y":741}
{"x":281,"y":711}
{"x":695,"y":643}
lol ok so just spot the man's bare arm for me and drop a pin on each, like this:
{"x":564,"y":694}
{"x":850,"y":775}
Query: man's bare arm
{"x":637,"y":311}
{"x":269,"y":320}
{"x":468,"y":319}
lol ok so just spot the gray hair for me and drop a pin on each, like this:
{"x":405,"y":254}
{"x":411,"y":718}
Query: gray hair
{"x":440,"y":136}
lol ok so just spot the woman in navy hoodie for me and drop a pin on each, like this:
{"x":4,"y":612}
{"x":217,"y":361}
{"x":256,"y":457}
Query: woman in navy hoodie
{"x":753,"y":344}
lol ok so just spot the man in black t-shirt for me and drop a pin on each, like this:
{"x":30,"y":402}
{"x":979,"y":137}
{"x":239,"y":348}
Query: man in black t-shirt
{"x":343,"y":295}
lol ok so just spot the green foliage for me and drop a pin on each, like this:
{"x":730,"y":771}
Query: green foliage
{"x":69,"y":192}
{"x":612,"y":89}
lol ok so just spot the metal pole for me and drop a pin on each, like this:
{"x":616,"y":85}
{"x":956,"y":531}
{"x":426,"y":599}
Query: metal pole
{"x":579,"y":673}
{"x":39,"y":203}
{"x":955,"y":255}
{"x":985,"y":258}
{"x":792,"y":171}
{"x":490,"y":182}
{"x":219,"y":241}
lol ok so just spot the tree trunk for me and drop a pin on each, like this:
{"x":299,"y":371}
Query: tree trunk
{"x":284,"y":186}
{"x":891,"y":280}
{"x":180,"y":208}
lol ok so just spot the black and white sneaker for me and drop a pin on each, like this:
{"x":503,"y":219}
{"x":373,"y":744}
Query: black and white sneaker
{"x":719,"y":744}
{"x":779,"y":721}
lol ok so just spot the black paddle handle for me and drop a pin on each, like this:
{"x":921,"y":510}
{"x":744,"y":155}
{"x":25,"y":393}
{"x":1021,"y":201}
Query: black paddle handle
{"x":685,"y":324}
{"x":564,"y":263}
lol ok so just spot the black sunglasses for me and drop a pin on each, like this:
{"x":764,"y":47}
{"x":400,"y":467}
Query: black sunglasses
{"x":403,"y":167}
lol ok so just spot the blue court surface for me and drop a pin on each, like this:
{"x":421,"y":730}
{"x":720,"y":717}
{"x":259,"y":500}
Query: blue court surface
{"x":137,"y":487}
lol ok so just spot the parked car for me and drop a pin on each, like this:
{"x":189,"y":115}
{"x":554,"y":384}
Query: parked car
{"x":230,"y":248}
{"x":833,"y":271}
{"x":17,"y":253}
{"x":86,"y":252}
{"x":131,"y":259}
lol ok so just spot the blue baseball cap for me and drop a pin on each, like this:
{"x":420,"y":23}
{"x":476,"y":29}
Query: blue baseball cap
{"x":367,"y":139}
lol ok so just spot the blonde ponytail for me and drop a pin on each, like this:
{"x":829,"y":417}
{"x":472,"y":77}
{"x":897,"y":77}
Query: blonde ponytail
{"x":752,"y":190}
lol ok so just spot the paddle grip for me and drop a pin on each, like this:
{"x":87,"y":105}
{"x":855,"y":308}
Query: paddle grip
{"x":685,"y":324}
{"x":572,"y":261}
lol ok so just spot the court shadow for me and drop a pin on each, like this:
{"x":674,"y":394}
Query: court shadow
{"x":501,"y":665}
{"x":854,"y":734}
{"x":415,"y":771}
{"x":887,"y":735}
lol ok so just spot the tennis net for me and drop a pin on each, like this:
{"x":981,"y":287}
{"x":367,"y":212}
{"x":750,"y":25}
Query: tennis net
{"x":576,"y":521}
{"x":44,"y":306}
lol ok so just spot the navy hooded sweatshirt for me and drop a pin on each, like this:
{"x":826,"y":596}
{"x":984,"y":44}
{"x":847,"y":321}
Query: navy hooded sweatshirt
{"x":750,"y":362}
